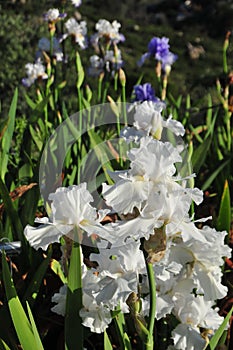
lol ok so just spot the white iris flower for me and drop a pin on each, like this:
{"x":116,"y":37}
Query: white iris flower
{"x":70,"y":208}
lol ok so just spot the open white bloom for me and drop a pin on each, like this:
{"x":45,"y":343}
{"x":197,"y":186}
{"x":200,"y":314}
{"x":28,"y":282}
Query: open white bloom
{"x":60,"y":300}
{"x":133,"y":187}
{"x":119,"y":259}
{"x":117,"y":274}
{"x":170,"y":203}
{"x":186,"y":266}
{"x":53,"y":15}
{"x":186,"y":337}
{"x":150,"y":192}
{"x":203,"y":268}
{"x":70,"y":209}
{"x":96,"y":316}
{"x":107,"y":30}
{"x":34,"y":71}
{"x":193,"y":312}
{"x":148,"y":120}
{"x":76,"y":3}
{"x":78,"y":31}
{"x":196,"y":311}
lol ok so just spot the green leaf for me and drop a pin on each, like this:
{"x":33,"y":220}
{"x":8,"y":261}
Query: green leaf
{"x":119,"y":320}
{"x":34,"y":286}
{"x":196,"y":131}
{"x":73,"y":321}
{"x":25,"y":171}
{"x":5,"y":142}
{"x":102,"y":153}
{"x":61,"y":85}
{"x":3,"y":345}
{"x":37,"y":137}
{"x":11,"y":211}
{"x":211,"y":127}
{"x":115,"y":313}
{"x":224,"y":216}
{"x":213,"y":176}
{"x":88,"y":94}
{"x":199,"y":154}
{"x":38,"y":345}
{"x":57,"y":269}
{"x":176,"y":103}
{"x":18,"y":315}
{"x":80,"y":70}
{"x":107,"y":343}
{"x":30,"y":102}
{"x":216,"y":337}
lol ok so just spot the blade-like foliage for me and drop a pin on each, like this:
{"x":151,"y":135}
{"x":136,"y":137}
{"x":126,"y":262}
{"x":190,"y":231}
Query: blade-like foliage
{"x":224,"y":216}
{"x":6,"y":136}
{"x":24,"y":329}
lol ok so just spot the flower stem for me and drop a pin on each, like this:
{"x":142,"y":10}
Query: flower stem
{"x":225,"y":47}
{"x":148,"y":333}
{"x":152,"y":286}
{"x":73,"y":322}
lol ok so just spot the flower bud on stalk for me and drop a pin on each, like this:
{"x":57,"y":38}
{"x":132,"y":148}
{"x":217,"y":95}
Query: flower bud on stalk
{"x":101,"y":77}
{"x":158,"y":69}
{"x":135,"y":306}
{"x":122,"y":77}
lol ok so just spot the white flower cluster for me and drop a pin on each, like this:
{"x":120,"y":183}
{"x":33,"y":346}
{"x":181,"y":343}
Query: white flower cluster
{"x":153,"y":204}
{"x":108,"y":31}
{"x":78,"y":31}
{"x":34,"y":71}
{"x":53,"y":15}
{"x":76,"y":3}
{"x":148,"y":121}
{"x":108,"y":56}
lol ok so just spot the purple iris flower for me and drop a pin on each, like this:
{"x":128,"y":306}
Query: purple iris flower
{"x":159,"y":49}
{"x":145,"y":92}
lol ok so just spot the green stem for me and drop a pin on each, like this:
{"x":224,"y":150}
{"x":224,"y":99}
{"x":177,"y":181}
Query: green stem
{"x":148,"y":332}
{"x":120,"y":144}
{"x":80,"y":79}
{"x":105,"y":92}
{"x":124,"y":106}
{"x":115,"y":81}
{"x":64,"y":65}
{"x":152,"y":286}
{"x":224,"y":58}
{"x":100,"y":80}
{"x":74,"y":337}
{"x":51,"y":35}
{"x":225,"y":68}
{"x":229,"y":136}
{"x":80,"y":130}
